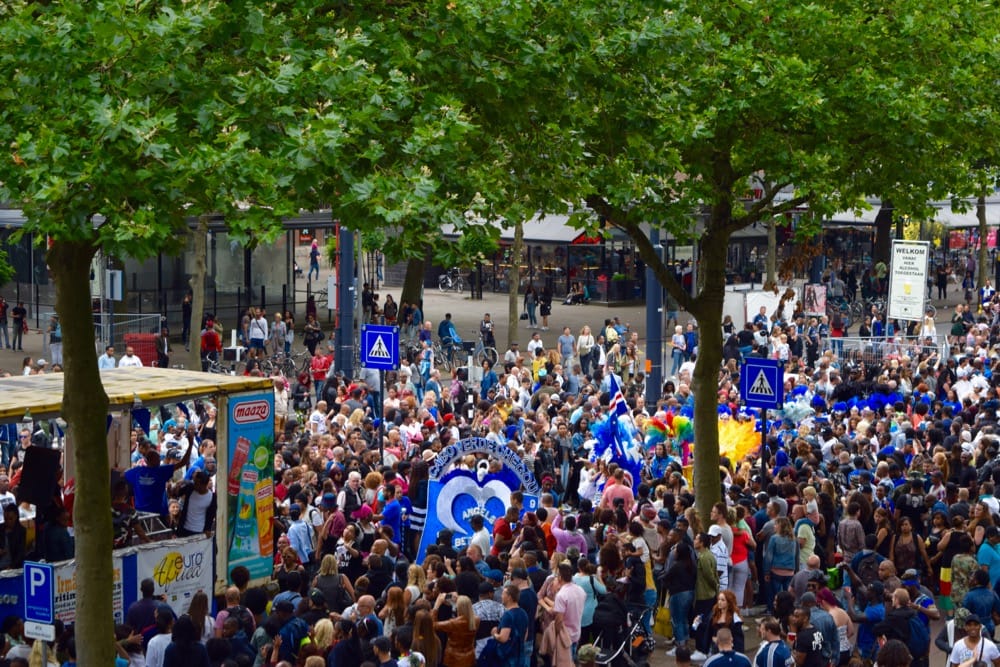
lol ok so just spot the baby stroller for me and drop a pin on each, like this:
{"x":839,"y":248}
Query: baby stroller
{"x":622,"y":639}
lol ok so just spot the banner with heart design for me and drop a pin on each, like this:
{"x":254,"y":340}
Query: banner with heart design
{"x":455,"y":497}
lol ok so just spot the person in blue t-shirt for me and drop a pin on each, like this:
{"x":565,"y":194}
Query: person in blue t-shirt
{"x":867,"y":619}
{"x":513,"y":628}
{"x":988,"y":555}
{"x":773,"y":651}
{"x":149,"y":482}
{"x":392,"y":513}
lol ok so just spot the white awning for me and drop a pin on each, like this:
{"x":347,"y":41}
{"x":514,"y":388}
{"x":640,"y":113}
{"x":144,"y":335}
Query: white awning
{"x":943,"y":214}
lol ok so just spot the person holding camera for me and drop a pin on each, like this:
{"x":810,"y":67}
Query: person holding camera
{"x":460,"y":649}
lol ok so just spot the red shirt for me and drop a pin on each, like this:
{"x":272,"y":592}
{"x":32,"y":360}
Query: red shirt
{"x":500,"y":529}
{"x":320,"y":366}
{"x":211,"y":341}
{"x":740,"y":546}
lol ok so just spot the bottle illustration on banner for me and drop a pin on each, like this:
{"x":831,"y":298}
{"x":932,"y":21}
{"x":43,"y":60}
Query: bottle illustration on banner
{"x":236,"y":465}
{"x":245,"y":533}
{"x":264,"y":495}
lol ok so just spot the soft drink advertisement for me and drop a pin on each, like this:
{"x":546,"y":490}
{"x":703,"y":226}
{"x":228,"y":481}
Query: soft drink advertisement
{"x":250,"y":483}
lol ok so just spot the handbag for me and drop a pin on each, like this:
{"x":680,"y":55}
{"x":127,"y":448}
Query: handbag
{"x":523,"y":316}
{"x":663,"y":626}
{"x":597,"y":596}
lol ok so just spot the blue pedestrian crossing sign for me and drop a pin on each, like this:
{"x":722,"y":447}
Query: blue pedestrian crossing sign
{"x":380,"y":347}
{"x":761,"y":383}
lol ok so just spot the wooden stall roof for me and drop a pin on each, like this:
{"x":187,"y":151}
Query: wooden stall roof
{"x":42,"y":394}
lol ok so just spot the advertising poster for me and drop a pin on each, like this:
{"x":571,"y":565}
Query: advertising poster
{"x":66,"y":602}
{"x":179,"y":569}
{"x":908,"y":279}
{"x":249,"y":483}
{"x":815,"y":300}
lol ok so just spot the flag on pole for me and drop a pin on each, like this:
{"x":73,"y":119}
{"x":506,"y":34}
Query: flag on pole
{"x":619,"y":408}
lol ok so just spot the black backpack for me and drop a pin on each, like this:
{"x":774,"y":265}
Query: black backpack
{"x":337,"y":597}
{"x":243,"y":615}
{"x":868,"y":568}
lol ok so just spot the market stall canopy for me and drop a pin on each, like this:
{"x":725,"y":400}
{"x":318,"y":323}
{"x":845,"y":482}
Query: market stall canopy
{"x":43,"y":394}
{"x":943,"y":214}
{"x":546,"y":228}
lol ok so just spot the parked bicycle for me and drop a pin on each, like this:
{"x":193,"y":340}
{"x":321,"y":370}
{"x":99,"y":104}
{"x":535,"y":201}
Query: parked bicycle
{"x":485,"y":352}
{"x":288,"y":365}
{"x":451,"y":280}
{"x":211,"y":364}
{"x":440,"y":358}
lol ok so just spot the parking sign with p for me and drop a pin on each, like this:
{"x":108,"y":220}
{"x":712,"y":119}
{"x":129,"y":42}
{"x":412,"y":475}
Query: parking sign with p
{"x":39,"y":592}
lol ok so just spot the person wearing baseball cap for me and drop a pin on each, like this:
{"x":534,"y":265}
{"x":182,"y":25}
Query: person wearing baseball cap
{"x":721,"y":553}
{"x":974,"y":646}
{"x":921,"y":600}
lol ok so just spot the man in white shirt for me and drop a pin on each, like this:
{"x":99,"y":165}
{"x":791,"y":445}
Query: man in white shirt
{"x":130,"y":360}
{"x":534,"y":344}
{"x":107,"y":360}
{"x":317,"y":420}
{"x":258,"y":334}
{"x":157,"y":646}
{"x":721,"y":553}
{"x":480,"y":535}
{"x":512,"y":354}
{"x":7,"y":498}
{"x":974,"y":646}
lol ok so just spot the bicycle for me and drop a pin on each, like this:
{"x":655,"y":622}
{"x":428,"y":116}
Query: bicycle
{"x":485,"y":352}
{"x":409,"y":348}
{"x":451,"y":280}
{"x":839,"y":306}
{"x":212,"y":364}
{"x":440,"y":357}
{"x":288,"y":365}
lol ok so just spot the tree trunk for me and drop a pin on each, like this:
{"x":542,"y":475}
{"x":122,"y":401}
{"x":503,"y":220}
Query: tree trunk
{"x":413,"y":284}
{"x":85,"y":408}
{"x":513,"y":282}
{"x":771,"y":278}
{"x":983,"y":231}
{"x":707,"y":309}
{"x":197,"y":283}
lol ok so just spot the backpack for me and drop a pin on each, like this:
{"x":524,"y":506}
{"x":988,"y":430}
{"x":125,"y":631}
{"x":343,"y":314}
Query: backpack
{"x":868,"y":569}
{"x":920,"y":638}
{"x":242,"y":614}
{"x":337,"y":597}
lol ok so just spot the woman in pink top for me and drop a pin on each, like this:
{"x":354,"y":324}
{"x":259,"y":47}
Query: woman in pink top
{"x":568,"y":536}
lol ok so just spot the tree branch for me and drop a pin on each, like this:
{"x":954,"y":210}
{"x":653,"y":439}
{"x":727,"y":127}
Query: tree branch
{"x":757,"y":211}
{"x":621,"y":219}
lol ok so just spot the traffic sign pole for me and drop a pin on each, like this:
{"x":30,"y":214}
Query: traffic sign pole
{"x":762,"y":386}
{"x":380,"y":351}
{"x":381,"y":419}
{"x":39,"y":604}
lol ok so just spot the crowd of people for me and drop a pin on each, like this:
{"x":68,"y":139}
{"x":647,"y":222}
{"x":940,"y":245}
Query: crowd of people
{"x":869,"y":531}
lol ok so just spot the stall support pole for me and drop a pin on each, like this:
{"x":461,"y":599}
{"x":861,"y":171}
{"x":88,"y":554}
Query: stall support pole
{"x":763,"y":448}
